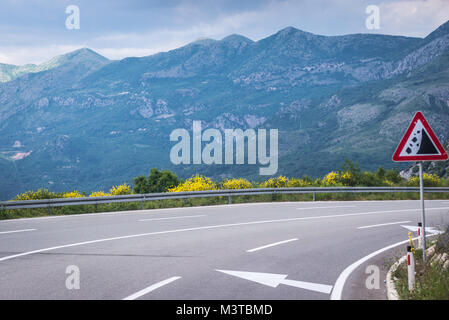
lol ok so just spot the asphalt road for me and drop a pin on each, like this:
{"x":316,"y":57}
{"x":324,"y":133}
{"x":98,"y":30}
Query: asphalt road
{"x":293,"y":250}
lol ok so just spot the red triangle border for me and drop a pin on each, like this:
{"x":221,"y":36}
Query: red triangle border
{"x":442,"y":156}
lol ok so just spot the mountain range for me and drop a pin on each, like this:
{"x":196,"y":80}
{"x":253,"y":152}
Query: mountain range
{"x":81,"y":121}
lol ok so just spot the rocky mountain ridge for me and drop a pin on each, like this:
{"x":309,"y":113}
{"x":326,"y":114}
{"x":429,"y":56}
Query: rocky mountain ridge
{"x":87,"y":122}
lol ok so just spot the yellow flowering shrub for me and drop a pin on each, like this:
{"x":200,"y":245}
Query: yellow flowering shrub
{"x":36,"y":195}
{"x":195,"y":183}
{"x":430,"y":180}
{"x":236,"y":184}
{"x":73,"y":194}
{"x":345,"y":178}
{"x":331,"y":178}
{"x":99,"y":194}
{"x":294,"y":182}
{"x":278,"y":182}
{"x":120,"y":190}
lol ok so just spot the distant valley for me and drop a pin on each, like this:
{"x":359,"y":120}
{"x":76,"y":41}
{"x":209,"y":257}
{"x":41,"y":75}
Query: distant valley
{"x":81,"y":121}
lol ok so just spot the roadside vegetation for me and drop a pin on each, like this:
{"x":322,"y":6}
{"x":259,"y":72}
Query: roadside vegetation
{"x":349,"y":174}
{"x":432,"y":277}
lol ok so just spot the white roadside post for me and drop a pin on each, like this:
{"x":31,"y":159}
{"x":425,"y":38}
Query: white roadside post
{"x":410,"y":268}
{"x":423,"y":216}
{"x":420,"y":242}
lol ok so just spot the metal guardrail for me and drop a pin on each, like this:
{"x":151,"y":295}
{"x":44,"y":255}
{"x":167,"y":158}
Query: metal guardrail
{"x":49,"y":203}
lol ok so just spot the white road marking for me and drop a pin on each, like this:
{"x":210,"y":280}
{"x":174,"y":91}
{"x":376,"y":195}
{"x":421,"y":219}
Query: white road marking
{"x":156,"y":211}
{"x":181,"y":217}
{"x":207,"y":228}
{"x":341,"y":280}
{"x":14,"y":231}
{"x":145,"y":211}
{"x":415,"y":229}
{"x":383,"y":224}
{"x":143,"y":292}
{"x":78,"y":215}
{"x":273,"y":280}
{"x":271,"y":245}
{"x":331,"y":207}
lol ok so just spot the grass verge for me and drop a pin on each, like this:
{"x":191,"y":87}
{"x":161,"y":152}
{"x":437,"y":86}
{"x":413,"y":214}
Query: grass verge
{"x":432,"y":279}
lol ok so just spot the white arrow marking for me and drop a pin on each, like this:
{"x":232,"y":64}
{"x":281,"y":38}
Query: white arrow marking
{"x":431,"y":230}
{"x":273,"y":280}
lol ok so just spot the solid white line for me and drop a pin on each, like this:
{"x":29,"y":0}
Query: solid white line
{"x":156,"y":211}
{"x":271,"y":245}
{"x":184,"y":217}
{"x":142,"y":292}
{"x":326,"y":207}
{"x":341,"y":280}
{"x":14,"y":231}
{"x":145,"y":211}
{"x":383,"y":224}
{"x":206,"y":228}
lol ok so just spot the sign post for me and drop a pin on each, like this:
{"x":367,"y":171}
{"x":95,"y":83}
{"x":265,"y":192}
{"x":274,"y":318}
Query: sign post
{"x":423,"y":216}
{"x":420,"y":144}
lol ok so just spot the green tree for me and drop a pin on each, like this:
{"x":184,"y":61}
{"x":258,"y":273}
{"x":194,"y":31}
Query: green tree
{"x":355,"y":174}
{"x":157,"y":181}
{"x":161,"y":181}
{"x":140,"y":185}
{"x":381,"y":173}
{"x":370,"y":179}
{"x":393,"y":176}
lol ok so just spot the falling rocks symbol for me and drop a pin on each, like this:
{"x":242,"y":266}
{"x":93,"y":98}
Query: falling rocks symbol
{"x":426,"y":146}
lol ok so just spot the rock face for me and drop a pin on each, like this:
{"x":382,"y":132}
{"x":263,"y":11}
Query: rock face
{"x":330,"y":97}
{"x":440,"y":168}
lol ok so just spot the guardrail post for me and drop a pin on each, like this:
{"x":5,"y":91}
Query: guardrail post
{"x":229,"y":199}
{"x":410,"y":268}
{"x":314,"y":196}
{"x":141,"y":203}
{"x":49,"y":209}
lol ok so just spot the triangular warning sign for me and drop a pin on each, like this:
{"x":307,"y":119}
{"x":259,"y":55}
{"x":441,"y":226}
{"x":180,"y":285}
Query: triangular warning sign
{"x":419,"y":143}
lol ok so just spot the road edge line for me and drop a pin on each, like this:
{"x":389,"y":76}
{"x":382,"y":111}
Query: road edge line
{"x":337,"y":290}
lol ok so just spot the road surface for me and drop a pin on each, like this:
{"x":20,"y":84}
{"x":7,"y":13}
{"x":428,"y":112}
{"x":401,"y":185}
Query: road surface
{"x":290,"y":250}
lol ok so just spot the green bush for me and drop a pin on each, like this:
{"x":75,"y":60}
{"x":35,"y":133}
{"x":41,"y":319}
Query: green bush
{"x":157,"y":181}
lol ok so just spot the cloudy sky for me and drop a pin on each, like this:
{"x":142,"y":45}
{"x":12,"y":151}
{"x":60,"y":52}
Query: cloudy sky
{"x":33,"y":31}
